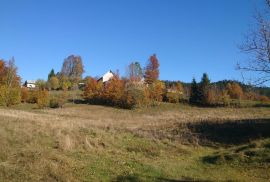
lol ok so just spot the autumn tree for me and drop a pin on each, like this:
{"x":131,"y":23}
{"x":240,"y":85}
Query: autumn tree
{"x":134,"y":72}
{"x":225,"y":98}
{"x":152,"y":70}
{"x":73,"y":68}
{"x":41,"y":84}
{"x":179,"y":87}
{"x":235,"y":91}
{"x":114,"y":91}
{"x":54,"y":83}
{"x":174,"y":93}
{"x":10,"y":92}
{"x":42,"y":98}
{"x":64,"y":82}
{"x":251,"y":95}
{"x":264,"y":99}
{"x":2,"y":72}
{"x":91,"y":88}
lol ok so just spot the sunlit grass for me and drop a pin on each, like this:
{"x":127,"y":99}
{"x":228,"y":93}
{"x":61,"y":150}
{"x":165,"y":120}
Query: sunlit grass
{"x":96,"y":143}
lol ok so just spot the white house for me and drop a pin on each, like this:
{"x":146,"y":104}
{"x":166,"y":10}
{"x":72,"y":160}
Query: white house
{"x":30,"y":84}
{"x":107,"y":77}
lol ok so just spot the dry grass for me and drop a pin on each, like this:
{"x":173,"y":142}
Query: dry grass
{"x":92,"y":143}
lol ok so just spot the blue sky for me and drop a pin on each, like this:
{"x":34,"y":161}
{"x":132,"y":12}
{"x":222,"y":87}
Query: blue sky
{"x":189,"y":36}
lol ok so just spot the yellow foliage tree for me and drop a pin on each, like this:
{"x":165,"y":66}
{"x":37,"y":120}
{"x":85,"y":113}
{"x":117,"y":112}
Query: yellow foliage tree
{"x":235,"y":91}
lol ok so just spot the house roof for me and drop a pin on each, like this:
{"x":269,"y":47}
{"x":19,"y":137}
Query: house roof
{"x":110,"y":71}
{"x":30,"y":81}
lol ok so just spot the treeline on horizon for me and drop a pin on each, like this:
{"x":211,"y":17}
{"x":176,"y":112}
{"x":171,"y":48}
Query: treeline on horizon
{"x":140,"y":87}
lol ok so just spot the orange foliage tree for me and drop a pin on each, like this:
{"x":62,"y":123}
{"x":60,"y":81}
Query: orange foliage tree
{"x":113,"y":93}
{"x":152,"y":70}
{"x":10,"y":92}
{"x":235,"y":91}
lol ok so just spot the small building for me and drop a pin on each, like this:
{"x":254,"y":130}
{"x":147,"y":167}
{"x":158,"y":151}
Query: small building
{"x":106,"y":77}
{"x":30,"y":84}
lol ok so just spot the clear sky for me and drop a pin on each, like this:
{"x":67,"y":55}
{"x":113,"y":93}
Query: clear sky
{"x":189,"y":36}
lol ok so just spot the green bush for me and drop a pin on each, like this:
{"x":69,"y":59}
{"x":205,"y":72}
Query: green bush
{"x":54,"y":103}
{"x":57,"y":102}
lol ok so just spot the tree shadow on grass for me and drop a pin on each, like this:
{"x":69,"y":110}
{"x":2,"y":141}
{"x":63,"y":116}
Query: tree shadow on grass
{"x":136,"y":178}
{"x":231,"y":132}
{"x":262,"y":105}
{"x":77,"y":101}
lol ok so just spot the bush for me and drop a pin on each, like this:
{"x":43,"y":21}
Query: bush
{"x":235,"y":91}
{"x":54,"y":103}
{"x":42,"y":98}
{"x":134,"y":97}
{"x":24,"y":94}
{"x":32,"y":97}
{"x":155,"y":92}
{"x":9,"y":96}
{"x":59,"y":101}
{"x":225,"y":98}
{"x":172,"y":97}
{"x":3,"y":92}
{"x":264,"y":99}
{"x":115,"y":93}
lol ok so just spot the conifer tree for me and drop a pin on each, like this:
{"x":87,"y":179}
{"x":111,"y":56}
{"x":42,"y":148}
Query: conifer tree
{"x":51,"y":74}
{"x":203,"y":89}
{"x":194,"y":92}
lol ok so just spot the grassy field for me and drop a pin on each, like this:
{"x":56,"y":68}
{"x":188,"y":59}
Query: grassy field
{"x":167,"y":143}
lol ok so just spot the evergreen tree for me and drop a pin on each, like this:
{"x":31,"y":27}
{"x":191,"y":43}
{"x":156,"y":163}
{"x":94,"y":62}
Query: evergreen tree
{"x":205,"y":82}
{"x":194,"y":92}
{"x":51,"y":74}
{"x":203,"y":89}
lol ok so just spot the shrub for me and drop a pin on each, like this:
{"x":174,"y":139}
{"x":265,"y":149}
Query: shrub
{"x":59,"y":101}
{"x":32,"y":97}
{"x":54,"y":83}
{"x":115,"y":93}
{"x":235,"y":91}
{"x":264,"y":99}
{"x":54,"y":103}
{"x":155,"y":92}
{"x":172,"y":97}
{"x":42,"y":98}
{"x":9,"y":96}
{"x":134,"y":98}
{"x":225,"y":98}
{"x":24,"y":94}
{"x":3,"y":93}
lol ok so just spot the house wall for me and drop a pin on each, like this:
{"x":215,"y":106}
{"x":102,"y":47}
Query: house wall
{"x":30,"y":85}
{"x":107,"y":77}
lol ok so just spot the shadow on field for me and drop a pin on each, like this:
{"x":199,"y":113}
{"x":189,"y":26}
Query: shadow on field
{"x":262,"y":105}
{"x":231,"y":132}
{"x":135,"y":178}
{"x":77,"y":101}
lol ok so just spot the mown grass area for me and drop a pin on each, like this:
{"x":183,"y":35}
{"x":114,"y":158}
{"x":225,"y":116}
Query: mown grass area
{"x":166,"y":143}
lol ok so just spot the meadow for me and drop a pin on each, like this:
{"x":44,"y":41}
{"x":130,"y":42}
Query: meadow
{"x":169,"y":142}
